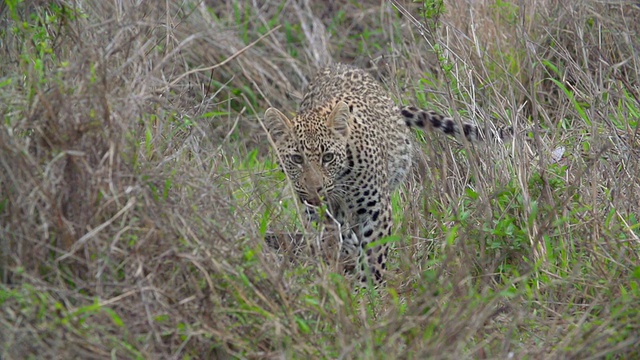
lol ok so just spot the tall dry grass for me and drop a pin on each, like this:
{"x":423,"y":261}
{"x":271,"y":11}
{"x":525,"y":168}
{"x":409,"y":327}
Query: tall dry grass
{"x":136,"y":183}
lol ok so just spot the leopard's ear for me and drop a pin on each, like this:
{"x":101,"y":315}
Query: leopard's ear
{"x":340,"y":119}
{"x":277,"y":123}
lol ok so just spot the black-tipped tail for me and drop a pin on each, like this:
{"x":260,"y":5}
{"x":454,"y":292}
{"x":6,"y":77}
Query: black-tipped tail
{"x":424,"y":119}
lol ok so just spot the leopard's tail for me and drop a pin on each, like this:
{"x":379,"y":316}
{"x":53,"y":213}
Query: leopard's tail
{"x":428,"y":119}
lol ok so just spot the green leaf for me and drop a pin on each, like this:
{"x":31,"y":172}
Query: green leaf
{"x":384,"y":240}
{"x":5,"y":82}
{"x":114,"y":317}
{"x":573,"y":100}
{"x":302,"y":325}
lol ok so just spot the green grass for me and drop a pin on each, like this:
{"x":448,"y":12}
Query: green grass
{"x":135,"y":191}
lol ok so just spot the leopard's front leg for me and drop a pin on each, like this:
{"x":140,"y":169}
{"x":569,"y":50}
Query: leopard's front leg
{"x":375,"y":223}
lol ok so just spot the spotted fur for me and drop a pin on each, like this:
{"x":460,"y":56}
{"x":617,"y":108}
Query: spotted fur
{"x":349,"y":147}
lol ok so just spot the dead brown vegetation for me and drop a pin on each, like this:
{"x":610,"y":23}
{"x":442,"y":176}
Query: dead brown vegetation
{"x":133,"y":201}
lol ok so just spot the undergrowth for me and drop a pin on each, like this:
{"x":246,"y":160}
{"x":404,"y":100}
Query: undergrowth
{"x":137,"y":184}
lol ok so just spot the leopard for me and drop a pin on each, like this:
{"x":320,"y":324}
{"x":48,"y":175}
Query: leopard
{"x":347,"y":149}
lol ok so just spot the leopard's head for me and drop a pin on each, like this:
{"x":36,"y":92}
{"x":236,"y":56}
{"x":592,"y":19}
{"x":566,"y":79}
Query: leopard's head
{"x":312,"y":149}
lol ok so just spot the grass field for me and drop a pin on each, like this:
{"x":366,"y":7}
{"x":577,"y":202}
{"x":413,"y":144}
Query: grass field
{"x":137,"y":183}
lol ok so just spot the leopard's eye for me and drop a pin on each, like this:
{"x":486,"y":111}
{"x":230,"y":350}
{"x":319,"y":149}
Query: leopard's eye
{"x":297,"y":159}
{"x":327,"y":157}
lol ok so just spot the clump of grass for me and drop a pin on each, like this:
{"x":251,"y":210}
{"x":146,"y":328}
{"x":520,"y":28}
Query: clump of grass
{"x":136,"y":185}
